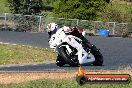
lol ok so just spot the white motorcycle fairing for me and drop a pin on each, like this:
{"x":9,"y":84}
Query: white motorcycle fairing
{"x":61,"y":37}
{"x":83,"y":56}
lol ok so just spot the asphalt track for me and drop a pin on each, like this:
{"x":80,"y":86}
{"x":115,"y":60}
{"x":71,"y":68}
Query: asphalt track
{"x":117,"y":51}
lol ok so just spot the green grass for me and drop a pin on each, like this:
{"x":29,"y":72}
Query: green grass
{"x":18,"y":54}
{"x":63,"y":83}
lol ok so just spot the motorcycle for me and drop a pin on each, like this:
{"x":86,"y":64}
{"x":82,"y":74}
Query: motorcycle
{"x":67,"y":54}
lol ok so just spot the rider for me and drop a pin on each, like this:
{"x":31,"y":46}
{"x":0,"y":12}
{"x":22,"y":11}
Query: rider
{"x":78,"y":32}
{"x":75,"y":31}
{"x":82,"y":52}
{"x":52,"y":29}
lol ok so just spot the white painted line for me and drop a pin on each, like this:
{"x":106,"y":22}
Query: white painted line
{"x":23,"y":45}
{"x":14,"y":44}
{"x":35,"y":47}
{"x":7,"y":43}
{"x":35,"y":64}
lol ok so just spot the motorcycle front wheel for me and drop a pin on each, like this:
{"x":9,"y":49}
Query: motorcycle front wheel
{"x":59,"y":61}
{"x":71,"y":60}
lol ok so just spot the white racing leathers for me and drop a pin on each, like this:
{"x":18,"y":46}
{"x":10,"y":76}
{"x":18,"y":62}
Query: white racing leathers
{"x":83,"y":56}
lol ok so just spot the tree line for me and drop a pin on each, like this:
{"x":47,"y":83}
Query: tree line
{"x":75,"y":9}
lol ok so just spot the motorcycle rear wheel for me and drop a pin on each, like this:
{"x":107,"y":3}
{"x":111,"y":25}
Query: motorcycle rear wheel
{"x":98,"y":56}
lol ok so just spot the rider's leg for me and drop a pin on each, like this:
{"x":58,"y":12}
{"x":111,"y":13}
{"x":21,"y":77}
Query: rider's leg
{"x":82,"y":54}
{"x":84,"y":57}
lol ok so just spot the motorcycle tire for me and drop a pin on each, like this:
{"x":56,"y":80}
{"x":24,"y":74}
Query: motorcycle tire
{"x":98,"y":56}
{"x":67,"y":58}
{"x":59,"y":61}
